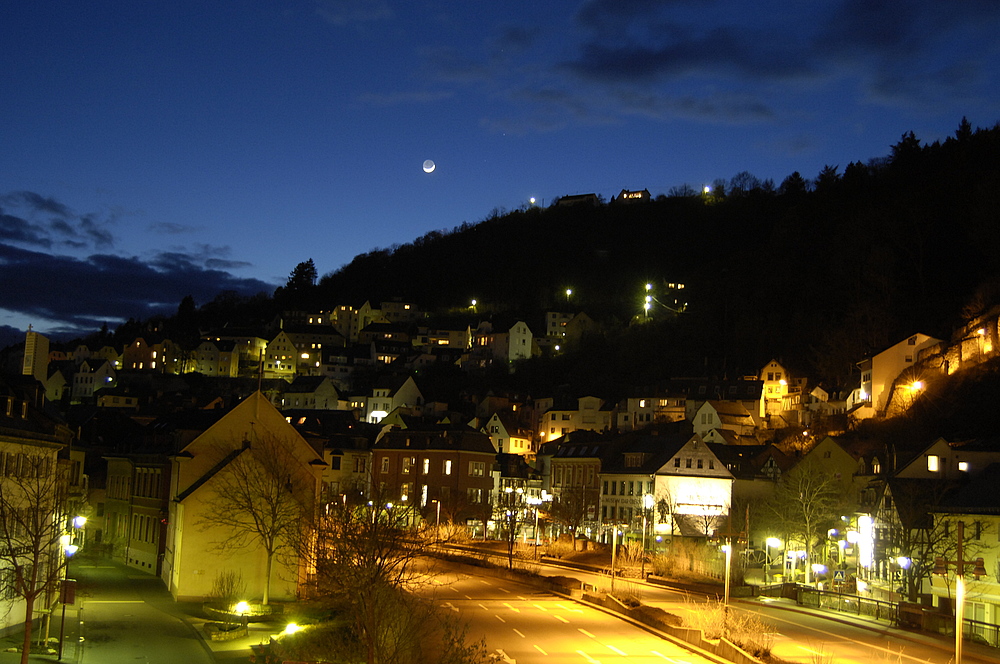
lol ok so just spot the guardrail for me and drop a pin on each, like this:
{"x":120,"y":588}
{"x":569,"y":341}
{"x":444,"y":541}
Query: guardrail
{"x":853,"y":604}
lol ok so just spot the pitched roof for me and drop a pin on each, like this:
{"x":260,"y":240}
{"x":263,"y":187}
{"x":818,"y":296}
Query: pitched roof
{"x":978,"y":496}
{"x":212,"y":472}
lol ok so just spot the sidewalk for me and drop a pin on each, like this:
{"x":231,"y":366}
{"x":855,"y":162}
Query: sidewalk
{"x":122,"y":615}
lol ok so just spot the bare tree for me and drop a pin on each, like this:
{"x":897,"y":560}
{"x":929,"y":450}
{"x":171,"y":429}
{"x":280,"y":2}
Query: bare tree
{"x":806,"y":503}
{"x":364,"y":565}
{"x":261,"y":496}
{"x":511,"y":514}
{"x":32,"y":530}
{"x":574,"y":506}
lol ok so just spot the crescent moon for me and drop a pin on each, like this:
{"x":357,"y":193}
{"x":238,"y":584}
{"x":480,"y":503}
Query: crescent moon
{"x":429,"y":166}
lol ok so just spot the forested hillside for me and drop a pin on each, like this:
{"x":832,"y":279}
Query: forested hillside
{"x":820,"y":270}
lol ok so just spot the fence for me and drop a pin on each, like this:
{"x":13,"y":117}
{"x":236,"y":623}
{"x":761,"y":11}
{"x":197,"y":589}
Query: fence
{"x":853,"y":604}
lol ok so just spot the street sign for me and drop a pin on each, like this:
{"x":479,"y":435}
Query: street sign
{"x":839,"y":575}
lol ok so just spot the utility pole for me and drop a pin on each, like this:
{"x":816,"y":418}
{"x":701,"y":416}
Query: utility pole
{"x":941,"y":569}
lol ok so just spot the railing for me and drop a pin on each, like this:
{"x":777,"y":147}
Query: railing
{"x":853,"y":604}
{"x":972,"y":630}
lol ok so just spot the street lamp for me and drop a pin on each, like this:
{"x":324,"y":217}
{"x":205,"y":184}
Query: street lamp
{"x":243,"y":609}
{"x":535,"y":502}
{"x":647,"y":502}
{"x":728,"y":548}
{"x":770,"y":543}
{"x":614,"y":552}
{"x":68,"y":590}
{"x":941,"y":569}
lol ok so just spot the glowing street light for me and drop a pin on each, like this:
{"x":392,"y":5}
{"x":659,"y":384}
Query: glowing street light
{"x":978,"y":570}
{"x":770,"y":543}
{"x":647,"y":503}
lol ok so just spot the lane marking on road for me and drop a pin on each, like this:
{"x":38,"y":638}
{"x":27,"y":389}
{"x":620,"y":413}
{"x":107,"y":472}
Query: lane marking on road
{"x":483,"y":607}
{"x":485,"y":583}
{"x":523,"y":599}
{"x":499,"y":618}
{"x":562,"y":619}
{"x":615,"y":650}
{"x":811,"y":651}
{"x":589,"y":658}
{"x":519,"y":634}
{"x":538,"y":648}
{"x":586,"y":633}
{"x":454,"y":589}
{"x":541,"y":608}
{"x":669,"y":659}
{"x":570,"y":609}
{"x":501,"y":588}
{"x":515,"y":610}
{"x":114,"y":601}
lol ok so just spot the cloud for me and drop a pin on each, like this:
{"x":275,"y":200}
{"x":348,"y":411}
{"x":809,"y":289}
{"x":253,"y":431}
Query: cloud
{"x":16,"y":229}
{"x":35,"y":202}
{"x":922,"y":52}
{"x":344,"y":12}
{"x":170,"y":228}
{"x":84,"y":293}
{"x":42,"y":221}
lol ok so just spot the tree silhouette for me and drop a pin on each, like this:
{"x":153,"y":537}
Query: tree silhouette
{"x":32,"y":526}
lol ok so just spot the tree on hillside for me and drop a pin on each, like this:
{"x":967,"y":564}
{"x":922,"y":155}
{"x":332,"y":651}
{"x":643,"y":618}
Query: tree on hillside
{"x":794,"y":184}
{"x":32,"y":528}
{"x":302,"y":277}
{"x":261,"y":498}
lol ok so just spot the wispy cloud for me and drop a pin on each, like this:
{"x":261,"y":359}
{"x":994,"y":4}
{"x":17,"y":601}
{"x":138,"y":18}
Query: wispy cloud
{"x":170,"y":228}
{"x":31,"y":219}
{"x":344,"y":12}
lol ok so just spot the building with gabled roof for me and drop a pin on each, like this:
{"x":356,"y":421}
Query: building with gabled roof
{"x":730,"y":415}
{"x":506,"y":435}
{"x":192,"y":560}
{"x":312,"y":392}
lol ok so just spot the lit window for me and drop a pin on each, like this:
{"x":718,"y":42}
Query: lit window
{"x":963,"y":466}
{"x":932,"y":463}
{"x":447,"y":467}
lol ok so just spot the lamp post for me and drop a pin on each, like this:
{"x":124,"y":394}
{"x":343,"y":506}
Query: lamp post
{"x":614,"y":553}
{"x":728,"y":548}
{"x":941,"y":569}
{"x":437,"y":523}
{"x":647,"y":503}
{"x":771,"y":542}
{"x":535,"y":502}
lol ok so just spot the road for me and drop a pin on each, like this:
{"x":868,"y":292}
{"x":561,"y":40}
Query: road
{"x":807,"y":637}
{"x":525,"y":625}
